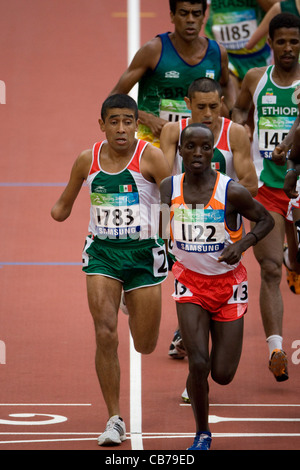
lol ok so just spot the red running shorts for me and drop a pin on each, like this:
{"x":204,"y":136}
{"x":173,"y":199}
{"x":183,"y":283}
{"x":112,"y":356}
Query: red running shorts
{"x":225,"y":296}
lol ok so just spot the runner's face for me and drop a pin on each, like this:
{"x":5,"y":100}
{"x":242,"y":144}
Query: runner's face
{"x":196,"y":150}
{"x":188,"y":19}
{"x":119,"y":126}
{"x":286,"y":47}
{"x":206,"y":108}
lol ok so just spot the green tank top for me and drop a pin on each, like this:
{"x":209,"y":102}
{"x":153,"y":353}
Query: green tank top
{"x":275,"y":112}
{"x":290,"y":7}
{"x":162,"y":91}
{"x":232,"y":23}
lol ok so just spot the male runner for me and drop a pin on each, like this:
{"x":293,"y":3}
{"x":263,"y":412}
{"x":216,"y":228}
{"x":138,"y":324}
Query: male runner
{"x":232,"y":24}
{"x":271,"y":90}
{"x":210,"y":282}
{"x":283,"y":6}
{"x":166,"y":65}
{"x":232,"y":154}
{"x":123,"y":250}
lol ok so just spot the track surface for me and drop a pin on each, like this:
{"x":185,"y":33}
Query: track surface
{"x":59,"y":60}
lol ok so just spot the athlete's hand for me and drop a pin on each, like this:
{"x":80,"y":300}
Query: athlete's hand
{"x":231,"y":254}
{"x":155,"y":123}
{"x":279,"y":154}
{"x":290,"y":183}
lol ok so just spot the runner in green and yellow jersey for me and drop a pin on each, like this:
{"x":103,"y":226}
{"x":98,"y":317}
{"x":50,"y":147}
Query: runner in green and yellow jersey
{"x":232,"y":23}
{"x":165,"y":66}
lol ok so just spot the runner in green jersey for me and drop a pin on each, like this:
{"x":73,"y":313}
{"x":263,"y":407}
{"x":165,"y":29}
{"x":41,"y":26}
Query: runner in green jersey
{"x":232,"y":23}
{"x":290,"y":6}
{"x":123,"y":175}
{"x":166,"y":65}
{"x":271,"y":90}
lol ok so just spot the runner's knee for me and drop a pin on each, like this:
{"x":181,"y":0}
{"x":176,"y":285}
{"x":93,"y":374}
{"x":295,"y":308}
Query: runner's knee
{"x":271,"y":271}
{"x":223,"y":377}
{"x":199,"y":366}
{"x":106,"y":337}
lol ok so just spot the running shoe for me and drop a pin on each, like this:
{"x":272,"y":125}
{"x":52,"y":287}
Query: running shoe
{"x":176,"y":350}
{"x":115,"y":432}
{"x":202,"y":441}
{"x":293,"y":279}
{"x":185,"y":396}
{"x":278,"y":365}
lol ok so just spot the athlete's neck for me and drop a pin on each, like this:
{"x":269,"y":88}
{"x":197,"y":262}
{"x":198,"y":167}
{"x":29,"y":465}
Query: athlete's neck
{"x":283,"y":77}
{"x":191,"y":51}
{"x":215,"y":127}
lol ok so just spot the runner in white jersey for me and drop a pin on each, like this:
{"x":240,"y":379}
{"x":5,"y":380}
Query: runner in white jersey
{"x":232,"y":152}
{"x":271,"y":90}
{"x":210,"y":281}
{"x":123,"y":250}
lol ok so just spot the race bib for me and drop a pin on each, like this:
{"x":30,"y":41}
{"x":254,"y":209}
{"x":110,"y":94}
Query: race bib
{"x":173,"y":111}
{"x":181,"y":291}
{"x":240,"y":294}
{"x":199,"y":230}
{"x":234,"y":29}
{"x":272,"y":131}
{"x":116,"y":215}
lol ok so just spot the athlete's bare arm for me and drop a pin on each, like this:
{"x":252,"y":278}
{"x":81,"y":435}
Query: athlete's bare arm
{"x":226,"y":81}
{"x":63,"y":207}
{"x":169,"y":141}
{"x":245,"y":99}
{"x":145,"y":59}
{"x":242,"y":159}
{"x":240,"y":201}
{"x":154,"y":165}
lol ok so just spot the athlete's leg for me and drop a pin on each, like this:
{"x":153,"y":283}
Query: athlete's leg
{"x":296,"y":216}
{"x":144,"y":307}
{"x":104,"y":296}
{"x":293,"y":243}
{"x":227,"y":341}
{"x":269,"y":254}
{"x":194,"y":323}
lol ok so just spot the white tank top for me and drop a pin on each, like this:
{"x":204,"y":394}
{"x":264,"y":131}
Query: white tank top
{"x":200,"y":235}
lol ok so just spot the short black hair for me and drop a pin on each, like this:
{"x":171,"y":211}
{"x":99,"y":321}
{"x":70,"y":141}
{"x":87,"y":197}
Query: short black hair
{"x":204,"y":85}
{"x":195,"y":125}
{"x":283,"y":20}
{"x":119,"y":101}
{"x":173,"y":4}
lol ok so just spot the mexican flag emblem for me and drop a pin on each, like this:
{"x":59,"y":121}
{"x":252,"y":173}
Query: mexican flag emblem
{"x":127,"y":188}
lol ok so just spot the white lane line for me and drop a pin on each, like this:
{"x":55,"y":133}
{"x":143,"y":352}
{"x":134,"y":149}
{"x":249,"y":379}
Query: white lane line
{"x":221,"y":419}
{"x":135,"y":398}
{"x":133,"y":40}
{"x":34,"y":441}
{"x":149,"y":436}
{"x":133,"y":36}
{"x":275,"y":405}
